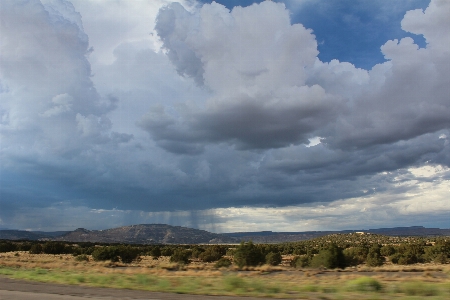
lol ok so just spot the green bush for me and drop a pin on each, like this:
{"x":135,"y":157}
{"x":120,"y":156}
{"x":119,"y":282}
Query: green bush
{"x":303,"y":261}
{"x":223,"y":263}
{"x":441,"y":258}
{"x":407,"y":259}
{"x":364,"y":284}
{"x":247,"y":254}
{"x":36,"y":249}
{"x":355,"y":255}
{"x":76,"y":251}
{"x":374,"y":258}
{"x":128,"y":253}
{"x":55,"y":248}
{"x":232,"y":283}
{"x":106,"y":253}
{"x":167,"y":251}
{"x":211,"y":254}
{"x":8,"y":247}
{"x":155,"y":252}
{"x":180,"y":256}
{"x":88,"y":250}
{"x":330,"y":258}
{"x":82,"y":257}
{"x":196,"y":251}
{"x":387,"y":250}
{"x":273,"y":258}
{"x":419,"y":289}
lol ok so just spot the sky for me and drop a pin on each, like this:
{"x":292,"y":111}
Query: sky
{"x":293,"y":115}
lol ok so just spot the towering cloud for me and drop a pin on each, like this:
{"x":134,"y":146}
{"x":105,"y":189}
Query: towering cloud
{"x":213,"y":111}
{"x":256,"y":70}
{"x":269,"y":90}
{"x":49,"y":103}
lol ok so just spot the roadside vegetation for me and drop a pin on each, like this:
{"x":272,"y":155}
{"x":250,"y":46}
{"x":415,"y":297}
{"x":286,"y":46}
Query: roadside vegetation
{"x":341,"y":266}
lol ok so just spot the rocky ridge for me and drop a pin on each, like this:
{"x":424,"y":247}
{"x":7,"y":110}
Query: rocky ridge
{"x":167,"y":234}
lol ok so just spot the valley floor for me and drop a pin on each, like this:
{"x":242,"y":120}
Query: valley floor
{"x":170,"y":280}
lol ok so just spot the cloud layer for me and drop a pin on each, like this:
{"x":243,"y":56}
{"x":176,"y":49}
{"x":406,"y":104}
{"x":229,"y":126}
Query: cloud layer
{"x":215,"y":114}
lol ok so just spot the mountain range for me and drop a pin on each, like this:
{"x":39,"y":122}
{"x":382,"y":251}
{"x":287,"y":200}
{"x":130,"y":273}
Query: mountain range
{"x":167,"y":234}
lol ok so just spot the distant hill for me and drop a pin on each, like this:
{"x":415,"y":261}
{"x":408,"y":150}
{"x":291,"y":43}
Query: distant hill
{"x":280,"y":237}
{"x":167,"y":234}
{"x":147,"y":234}
{"x":10,"y":234}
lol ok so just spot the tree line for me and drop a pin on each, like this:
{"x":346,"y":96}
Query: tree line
{"x":332,"y":251}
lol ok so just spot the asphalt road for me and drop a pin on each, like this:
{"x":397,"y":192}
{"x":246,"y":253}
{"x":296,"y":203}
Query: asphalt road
{"x":11,"y":289}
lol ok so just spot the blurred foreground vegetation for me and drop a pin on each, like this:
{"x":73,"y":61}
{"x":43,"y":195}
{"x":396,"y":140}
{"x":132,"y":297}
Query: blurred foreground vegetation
{"x":340,"y":266}
{"x":304,"y":286}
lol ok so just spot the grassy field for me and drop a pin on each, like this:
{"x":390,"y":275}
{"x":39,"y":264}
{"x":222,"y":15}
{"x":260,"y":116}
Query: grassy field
{"x":387,"y":282}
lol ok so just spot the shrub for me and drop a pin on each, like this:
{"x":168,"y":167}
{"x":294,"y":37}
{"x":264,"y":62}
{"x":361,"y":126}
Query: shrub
{"x":247,"y":254}
{"x":387,"y":250}
{"x":36,"y":249}
{"x":223,"y":263}
{"x":355,"y":255}
{"x":441,"y":258}
{"x":106,"y":253}
{"x":155,"y":252}
{"x":213,"y":253}
{"x":273,"y":258}
{"x":8,"y":247}
{"x":127,"y":253}
{"x":180,"y":256}
{"x":167,"y":251}
{"x":196,"y":251}
{"x":330,"y":258}
{"x":76,"y":251}
{"x":54,"y":248}
{"x":374,"y":258}
{"x":232,"y":283}
{"x":364,"y":284}
{"x":404,"y":259}
{"x":419,"y":289}
{"x":301,"y":261}
{"x":88,"y":250}
{"x":82,"y":257}
{"x":24,"y":246}
{"x":230,"y":252}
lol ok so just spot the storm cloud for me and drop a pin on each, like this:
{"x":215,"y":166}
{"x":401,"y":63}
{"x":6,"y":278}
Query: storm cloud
{"x":199,"y":115}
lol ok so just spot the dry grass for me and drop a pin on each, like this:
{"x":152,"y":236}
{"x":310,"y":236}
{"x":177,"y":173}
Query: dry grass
{"x":397,"y":282}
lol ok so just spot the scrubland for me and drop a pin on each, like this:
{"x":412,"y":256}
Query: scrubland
{"x":388,"y":281}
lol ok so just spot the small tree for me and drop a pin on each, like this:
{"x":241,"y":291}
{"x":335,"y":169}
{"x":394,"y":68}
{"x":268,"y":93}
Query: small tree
{"x":247,"y":254}
{"x":374,"y":258}
{"x":36,"y":249}
{"x":355,"y":255}
{"x":167,"y":251}
{"x":8,"y":247}
{"x":106,"y":253}
{"x":387,"y":250}
{"x":273,"y":258}
{"x":331,"y":257}
{"x":180,"y":256}
{"x":127,"y":253}
{"x":155,"y":252}
{"x":301,"y":261}
{"x":223,"y":263}
{"x":54,"y":248}
{"x":213,"y":253}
